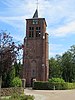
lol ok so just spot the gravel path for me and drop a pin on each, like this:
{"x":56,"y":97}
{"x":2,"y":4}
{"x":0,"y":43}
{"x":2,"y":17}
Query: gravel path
{"x":51,"y":94}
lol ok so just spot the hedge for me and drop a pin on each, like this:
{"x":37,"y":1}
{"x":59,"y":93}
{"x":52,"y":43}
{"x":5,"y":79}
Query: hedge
{"x":52,"y":86}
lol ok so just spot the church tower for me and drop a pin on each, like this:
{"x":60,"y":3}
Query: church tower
{"x":35,"y":54}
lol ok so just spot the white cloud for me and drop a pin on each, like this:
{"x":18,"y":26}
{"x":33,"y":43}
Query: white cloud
{"x":12,"y":18}
{"x":55,"y":46}
{"x":53,"y":54}
{"x":59,"y":14}
{"x":55,"y":49}
{"x":60,"y":17}
{"x":68,"y":28}
{"x":53,"y":10}
{"x":17,"y":22}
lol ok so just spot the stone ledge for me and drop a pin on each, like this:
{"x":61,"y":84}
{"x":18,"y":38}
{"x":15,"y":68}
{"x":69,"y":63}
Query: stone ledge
{"x":10,"y":91}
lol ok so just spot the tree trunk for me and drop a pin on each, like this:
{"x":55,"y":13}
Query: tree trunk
{"x":0,"y":85}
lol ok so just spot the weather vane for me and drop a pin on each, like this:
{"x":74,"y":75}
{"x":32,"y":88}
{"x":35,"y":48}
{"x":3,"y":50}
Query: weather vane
{"x":37,"y":4}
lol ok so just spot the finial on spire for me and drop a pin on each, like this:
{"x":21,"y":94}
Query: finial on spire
{"x":37,"y":5}
{"x":36,"y":12}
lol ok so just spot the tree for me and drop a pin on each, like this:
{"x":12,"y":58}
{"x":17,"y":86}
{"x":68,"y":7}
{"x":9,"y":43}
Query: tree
{"x":68,"y":62}
{"x":9,"y":53}
{"x":18,"y":67}
{"x":63,"y":66}
{"x":66,"y":65}
{"x":8,"y":77}
{"x":54,"y":68}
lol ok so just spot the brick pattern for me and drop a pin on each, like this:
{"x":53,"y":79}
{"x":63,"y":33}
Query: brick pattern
{"x":35,"y":56}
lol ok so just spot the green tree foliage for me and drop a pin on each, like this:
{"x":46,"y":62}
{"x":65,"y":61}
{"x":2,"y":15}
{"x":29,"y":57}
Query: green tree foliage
{"x":18,"y":67}
{"x":8,"y":77}
{"x":63,"y":66}
{"x":12,"y":73}
{"x":55,"y":69}
{"x":9,"y":53}
{"x":67,"y":67}
{"x":68,"y":62}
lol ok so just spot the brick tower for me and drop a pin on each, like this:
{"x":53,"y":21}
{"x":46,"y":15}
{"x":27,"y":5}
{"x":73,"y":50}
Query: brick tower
{"x":35,"y":54}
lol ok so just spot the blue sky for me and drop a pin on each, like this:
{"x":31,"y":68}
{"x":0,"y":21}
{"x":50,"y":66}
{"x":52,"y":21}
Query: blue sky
{"x":59,"y":14}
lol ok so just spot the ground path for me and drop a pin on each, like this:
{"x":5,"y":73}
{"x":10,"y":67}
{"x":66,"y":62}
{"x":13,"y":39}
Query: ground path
{"x":51,"y":94}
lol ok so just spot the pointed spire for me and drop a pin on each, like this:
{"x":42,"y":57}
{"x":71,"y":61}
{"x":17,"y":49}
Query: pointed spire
{"x":35,"y":14}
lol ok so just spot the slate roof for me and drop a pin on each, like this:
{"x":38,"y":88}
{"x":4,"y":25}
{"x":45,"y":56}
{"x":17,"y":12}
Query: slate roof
{"x":35,"y":14}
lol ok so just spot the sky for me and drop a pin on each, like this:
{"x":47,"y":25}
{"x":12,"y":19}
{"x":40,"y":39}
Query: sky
{"x":59,"y":15}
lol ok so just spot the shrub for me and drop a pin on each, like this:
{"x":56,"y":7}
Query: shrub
{"x":16,"y":96}
{"x":71,"y":85}
{"x":27,"y":97}
{"x":40,"y":85}
{"x":58,"y":80}
{"x":53,"y":85}
{"x":16,"y":82}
